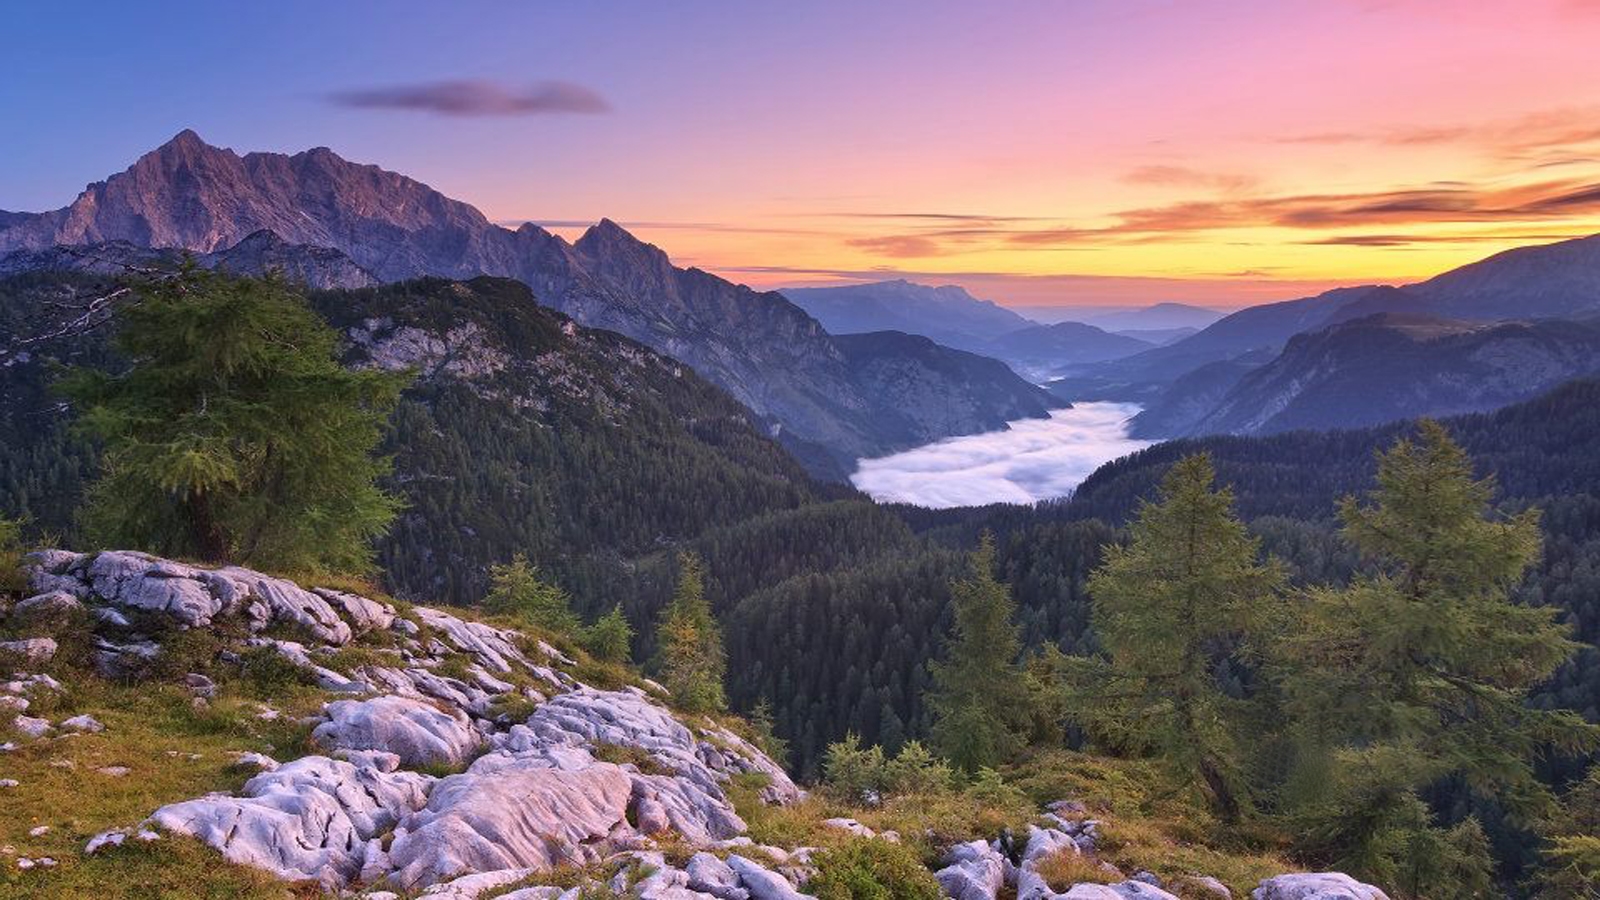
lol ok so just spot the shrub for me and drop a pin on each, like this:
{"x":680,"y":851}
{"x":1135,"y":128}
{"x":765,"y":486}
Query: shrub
{"x":872,"y":869}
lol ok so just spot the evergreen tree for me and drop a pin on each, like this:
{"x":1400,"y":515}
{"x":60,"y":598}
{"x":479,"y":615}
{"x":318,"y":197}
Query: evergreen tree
{"x":690,"y":659}
{"x":517,"y":589}
{"x":978,"y":720}
{"x":234,"y":434}
{"x":1419,"y":669}
{"x":610,"y":638}
{"x":1184,"y":599}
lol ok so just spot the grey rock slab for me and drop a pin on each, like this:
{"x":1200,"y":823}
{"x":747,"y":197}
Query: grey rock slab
{"x":1316,"y":886}
{"x":974,"y":871}
{"x":511,"y":818}
{"x":310,"y":819}
{"x":30,"y":650}
{"x":761,"y":882}
{"x":417,"y":732}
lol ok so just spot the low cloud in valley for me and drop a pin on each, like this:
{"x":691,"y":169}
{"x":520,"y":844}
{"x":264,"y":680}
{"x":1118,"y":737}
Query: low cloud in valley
{"x":1034,"y":460}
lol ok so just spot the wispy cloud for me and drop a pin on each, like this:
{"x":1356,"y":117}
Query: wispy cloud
{"x":477,"y":98}
{"x":1185,"y":176}
{"x":898,"y":246}
{"x":1515,"y":137}
{"x":1439,"y":203}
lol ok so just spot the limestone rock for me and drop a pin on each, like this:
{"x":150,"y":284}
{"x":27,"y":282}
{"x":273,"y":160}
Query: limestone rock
{"x":761,"y":882}
{"x":1126,"y":890}
{"x":311,"y":819}
{"x":30,"y":726}
{"x":418,"y":733}
{"x":710,"y":875}
{"x":49,"y":602}
{"x":32,"y":651}
{"x":974,"y":871}
{"x":522,"y":818}
{"x":1316,"y":886}
{"x":82,"y":724}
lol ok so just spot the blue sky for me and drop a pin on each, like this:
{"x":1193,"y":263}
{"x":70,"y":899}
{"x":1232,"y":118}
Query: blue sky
{"x":1035,"y":152}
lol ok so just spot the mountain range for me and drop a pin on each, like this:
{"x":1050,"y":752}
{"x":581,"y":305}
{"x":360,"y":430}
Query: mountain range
{"x":1382,"y":368}
{"x":766,"y":352}
{"x":953,"y":317}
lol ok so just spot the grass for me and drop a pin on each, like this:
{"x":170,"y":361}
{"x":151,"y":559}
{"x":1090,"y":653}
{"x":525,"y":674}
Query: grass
{"x":1065,"y":868}
{"x":630,"y":754}
{"x":174,"y":752}
{"x":1145,"y":823}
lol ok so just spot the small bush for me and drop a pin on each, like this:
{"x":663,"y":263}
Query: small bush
{"x":871,"y":869}
{"x":267,"y":675}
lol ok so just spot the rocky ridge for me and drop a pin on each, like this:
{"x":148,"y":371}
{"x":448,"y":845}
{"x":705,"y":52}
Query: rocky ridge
{"x":459,"y":760}
{"x":533,"y":791}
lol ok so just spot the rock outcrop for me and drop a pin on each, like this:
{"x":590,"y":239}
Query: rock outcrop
{"x":1316,"y":886}
{"x":587,"y":775}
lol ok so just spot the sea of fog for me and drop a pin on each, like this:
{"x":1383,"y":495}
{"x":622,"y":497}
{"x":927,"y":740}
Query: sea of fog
{"x":1033,"y":459}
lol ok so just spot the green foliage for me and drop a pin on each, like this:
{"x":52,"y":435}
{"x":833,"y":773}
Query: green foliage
{"x":1186,"y":599}
{"x":760,"y":719}
{"x":517,"y":590}
{"x":691,"y":659}
{"x":610,"y":638}
{"x":871,"y":869}
{"x":1571,"y":869}
{"x":1418,"y":671}
{"x":12,"y":548}
{"x":855,"y":773}
{"x":977,"y":719}
{"x":235,"y":435}
{"x":1430,"y":649}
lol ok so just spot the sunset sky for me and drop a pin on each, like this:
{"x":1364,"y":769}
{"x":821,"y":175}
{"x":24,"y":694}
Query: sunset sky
{"x":1071,"y":153}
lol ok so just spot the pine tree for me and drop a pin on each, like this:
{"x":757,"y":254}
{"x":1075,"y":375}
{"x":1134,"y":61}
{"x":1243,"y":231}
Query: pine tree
{"x":517,"y":589}
{"x":978,"y":719}
{"x":234,"y":435}
{"x":1185,"y":598}
{"x":1419,"y":669}
{"x":610,"y":638}
{"x":690,"y":659}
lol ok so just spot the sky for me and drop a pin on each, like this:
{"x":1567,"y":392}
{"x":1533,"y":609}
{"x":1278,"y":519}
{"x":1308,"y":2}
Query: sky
{"x":1051,"y":153}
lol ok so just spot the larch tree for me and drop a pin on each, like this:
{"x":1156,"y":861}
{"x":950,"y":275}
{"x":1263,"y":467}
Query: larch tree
{"x":1419,"y":670}
{"x":610,"y":638}
{"x":517,"y":589}
{"x":1187,"y":597}
{"x":234,"y":434}
{"x":976,"y":692}
{"x":690,"y":657}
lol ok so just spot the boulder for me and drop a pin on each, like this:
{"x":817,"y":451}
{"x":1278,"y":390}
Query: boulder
{"x":52,"y":602}
{"x":1316,"y":886}
{"x":30,"y":726}
{"x":32,"y":651}
{"x":1126,"y":890}
{"x":710,"y":875}
{"x":973,"y":871}
{"x":82,"y":724}
{"x":418,"y":733}
{"x":515,"y":818}
{"x":313,"y":819}
{"x":761,"y":882}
